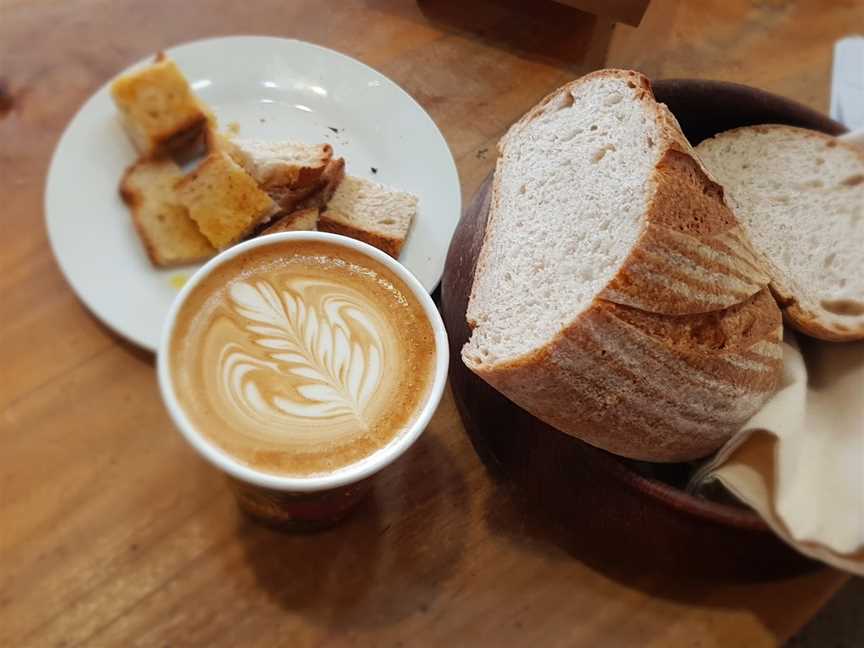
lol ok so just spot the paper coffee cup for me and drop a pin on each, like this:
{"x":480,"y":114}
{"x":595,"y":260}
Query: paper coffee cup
{"x":318,"y":499}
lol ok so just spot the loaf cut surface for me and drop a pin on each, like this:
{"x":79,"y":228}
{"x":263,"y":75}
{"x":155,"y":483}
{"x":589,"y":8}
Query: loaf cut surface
{"x":316,"y":195}
{"x":597,"y":194}
{"x":800,"y":196}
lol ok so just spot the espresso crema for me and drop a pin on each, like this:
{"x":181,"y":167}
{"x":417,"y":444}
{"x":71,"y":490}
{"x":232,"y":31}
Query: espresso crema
{"x":302,"y":357}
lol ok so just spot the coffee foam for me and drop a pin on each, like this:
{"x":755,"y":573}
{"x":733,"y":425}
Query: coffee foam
{"x":302,"y":358}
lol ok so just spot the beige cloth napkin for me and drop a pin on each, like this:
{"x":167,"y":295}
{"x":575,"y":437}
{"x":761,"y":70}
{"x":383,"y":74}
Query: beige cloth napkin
{"x":799,"y":463}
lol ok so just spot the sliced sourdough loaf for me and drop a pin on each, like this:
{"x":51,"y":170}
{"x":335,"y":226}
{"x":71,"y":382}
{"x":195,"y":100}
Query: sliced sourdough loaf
{"x":800,"y":196}
{"x":615,"y":296}
{"x":370,"y":212}
{"x":169,"y":235}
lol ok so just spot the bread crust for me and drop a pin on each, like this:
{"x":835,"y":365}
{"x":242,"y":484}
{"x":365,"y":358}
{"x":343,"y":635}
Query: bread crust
{"x":392,"y":246}
{"x":300,"y":220}
{"x":180,"y":129}
{"x":185,"y":142}
{"x":329,"y":182}
{"x":312,"y":196}
{"x":812,"y":323}
{"x":646,"y":386}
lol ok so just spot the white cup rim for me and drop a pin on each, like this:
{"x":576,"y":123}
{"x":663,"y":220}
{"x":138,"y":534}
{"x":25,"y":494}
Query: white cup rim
{"x":345,"y":475}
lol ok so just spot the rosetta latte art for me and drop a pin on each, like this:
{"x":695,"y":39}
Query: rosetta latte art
{"x":316,"y":335}
{"x":302,"y":357}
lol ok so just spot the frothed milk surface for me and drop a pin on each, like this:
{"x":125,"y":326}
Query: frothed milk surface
{"x":302,"y":357}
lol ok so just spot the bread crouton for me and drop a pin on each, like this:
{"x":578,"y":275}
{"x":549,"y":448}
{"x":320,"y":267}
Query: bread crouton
{"x":159,"y":111}
{"x":169,"y":235}
{"x":224,"y":200}
{"x":370,"y":212}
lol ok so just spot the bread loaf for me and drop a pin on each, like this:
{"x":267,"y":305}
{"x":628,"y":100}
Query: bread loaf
{"x":800,"y":196}
{"x":615,"y":296}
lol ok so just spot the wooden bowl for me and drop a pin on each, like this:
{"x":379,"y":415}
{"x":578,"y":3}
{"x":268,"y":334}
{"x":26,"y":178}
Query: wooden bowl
{"x":605,"y":509}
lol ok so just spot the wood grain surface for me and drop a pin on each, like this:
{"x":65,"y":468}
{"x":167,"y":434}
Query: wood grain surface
{"x":112,"y":532}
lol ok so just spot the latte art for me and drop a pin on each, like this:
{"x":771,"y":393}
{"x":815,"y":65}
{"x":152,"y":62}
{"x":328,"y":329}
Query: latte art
{"x":304,"y":363}
{"x":322,"y":341}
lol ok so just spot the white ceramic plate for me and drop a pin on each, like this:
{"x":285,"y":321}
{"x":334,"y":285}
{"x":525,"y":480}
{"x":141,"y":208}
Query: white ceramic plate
{"x":272,"y":88}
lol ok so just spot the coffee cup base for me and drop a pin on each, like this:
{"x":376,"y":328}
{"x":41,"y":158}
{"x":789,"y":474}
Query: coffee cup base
{"x":297,"y":511}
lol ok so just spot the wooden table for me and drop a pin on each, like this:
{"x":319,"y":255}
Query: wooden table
{"x":112,"y":532}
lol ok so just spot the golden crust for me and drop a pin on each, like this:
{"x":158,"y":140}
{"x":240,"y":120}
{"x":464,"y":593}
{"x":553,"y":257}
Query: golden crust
{"x":650,"y":387}
{"x":224,"y":200}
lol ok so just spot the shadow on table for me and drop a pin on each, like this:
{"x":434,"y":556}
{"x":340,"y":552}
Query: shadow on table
{"x":541,"y":30}
{"x":574,"y":533}
{"x":380,"y":564}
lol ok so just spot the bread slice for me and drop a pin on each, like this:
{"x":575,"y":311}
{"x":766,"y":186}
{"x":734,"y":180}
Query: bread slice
{"x":159,"y":111}
{"x":609,"y":258}
{"x":169,"y":236}
{"x":280,"y":165}
{"x":370,"y":212}
{"x":298,"y":221}
{"x":223,"y":200}
{"x":800,"y":196}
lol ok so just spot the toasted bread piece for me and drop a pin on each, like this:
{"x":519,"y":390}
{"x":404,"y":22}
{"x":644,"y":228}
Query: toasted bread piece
{"x":168,"y":234}
{"x":330,"y":180}
{"x":370,"y":212}
{"x":302,"y":220}
{"x":159,"y":111}
{"x":224,"y":200}
{"x":279,"y":165}
{"x":317,"y":195}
